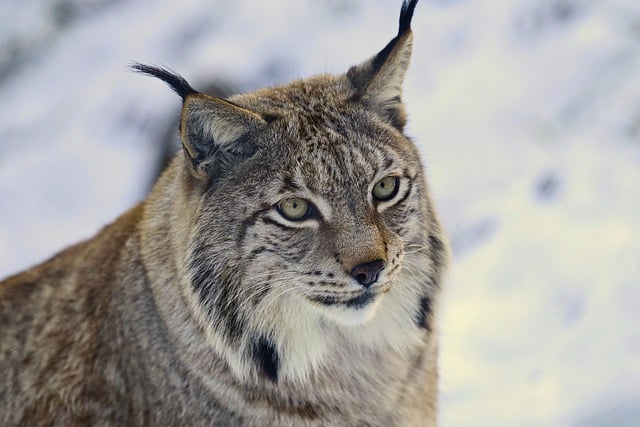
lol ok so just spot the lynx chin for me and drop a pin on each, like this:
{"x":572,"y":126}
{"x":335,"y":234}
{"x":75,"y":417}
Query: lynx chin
{"x":284,"y":271}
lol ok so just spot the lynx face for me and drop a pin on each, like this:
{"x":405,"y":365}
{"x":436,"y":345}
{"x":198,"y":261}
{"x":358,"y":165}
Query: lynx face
{"x":322,"y":217}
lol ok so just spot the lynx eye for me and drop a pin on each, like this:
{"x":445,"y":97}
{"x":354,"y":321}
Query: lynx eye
{"x":386,"y":188}
{"x":294,"y":209}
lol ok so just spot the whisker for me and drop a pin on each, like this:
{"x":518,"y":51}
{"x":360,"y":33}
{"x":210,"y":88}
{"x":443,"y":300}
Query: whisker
{"x":275,"y":297}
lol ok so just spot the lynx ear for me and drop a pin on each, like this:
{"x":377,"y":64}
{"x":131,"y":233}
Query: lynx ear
{"x":214,"y":132}
{"x":378,"y":81}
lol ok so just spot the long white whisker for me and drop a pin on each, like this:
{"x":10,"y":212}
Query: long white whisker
{"x":274,"y":297}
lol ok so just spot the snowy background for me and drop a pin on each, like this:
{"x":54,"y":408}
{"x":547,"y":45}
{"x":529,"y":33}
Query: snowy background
{"x":527,"y":113}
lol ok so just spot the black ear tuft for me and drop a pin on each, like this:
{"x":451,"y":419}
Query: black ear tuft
{"x":177,"y":82}
{"x":406,"y":13}
{"x":377,"y":82}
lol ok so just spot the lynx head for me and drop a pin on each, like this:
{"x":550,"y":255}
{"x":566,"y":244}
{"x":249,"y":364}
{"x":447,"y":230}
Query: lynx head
{"x":310,"y":210}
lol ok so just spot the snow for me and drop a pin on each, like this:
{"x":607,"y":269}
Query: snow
{"x":527,"y":113}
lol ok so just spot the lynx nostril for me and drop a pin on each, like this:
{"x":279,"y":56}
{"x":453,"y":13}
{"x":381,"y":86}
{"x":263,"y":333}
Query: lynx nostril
{"x":367,"y":273}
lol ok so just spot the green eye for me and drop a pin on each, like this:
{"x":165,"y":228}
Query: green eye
{"x":386,"y":188}
{"x":294,"y":209}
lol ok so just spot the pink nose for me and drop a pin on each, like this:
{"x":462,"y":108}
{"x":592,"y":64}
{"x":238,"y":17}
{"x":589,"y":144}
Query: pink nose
{"x":367,"y":273}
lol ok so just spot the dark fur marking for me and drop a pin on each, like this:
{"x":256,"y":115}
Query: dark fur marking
{"x":266,"y":357}
{"x":277,"y":224}
{"x":257,"y":251}
{"x":214,"y":292}
{"x":254,"y":253}
{"x":230,"y":312}
{"x":436,"y":243}
{"x":325,"y":299}
{"x":388,"y":163}
{"x":361,"y":300}
{"x":293,"y":407}
{"x":270,"y":117}
{"x":437,"y":253}
{"x":200,"y":277}
{"x":408,"y":175}
{"x":424,"y":313}
{"x":289,"y":185}
{"x":357,"y":302}
{"x":406,"y":195}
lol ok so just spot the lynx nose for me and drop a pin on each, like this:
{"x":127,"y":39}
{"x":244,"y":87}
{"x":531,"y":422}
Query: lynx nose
{"x":367,"y":273}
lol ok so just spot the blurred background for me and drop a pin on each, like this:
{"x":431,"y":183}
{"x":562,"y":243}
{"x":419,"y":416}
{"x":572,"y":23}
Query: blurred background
{"x":527,"y":114}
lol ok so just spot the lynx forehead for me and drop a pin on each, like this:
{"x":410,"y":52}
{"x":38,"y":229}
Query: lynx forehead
{"x":284,"y":270}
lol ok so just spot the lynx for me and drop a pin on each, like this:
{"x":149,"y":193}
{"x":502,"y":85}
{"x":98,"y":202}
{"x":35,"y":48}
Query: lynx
{"x":284,"y":270}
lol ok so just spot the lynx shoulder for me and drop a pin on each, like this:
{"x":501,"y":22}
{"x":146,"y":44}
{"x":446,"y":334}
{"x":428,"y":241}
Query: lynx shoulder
{"x":284,"y":270}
